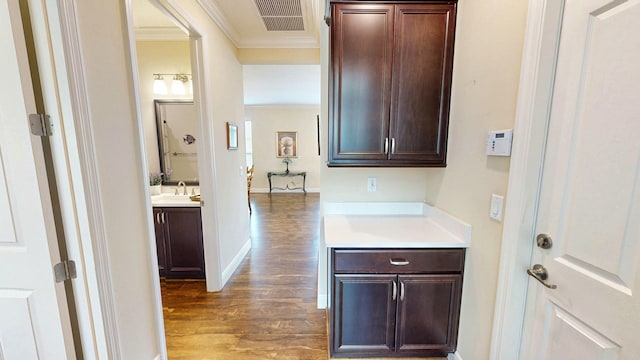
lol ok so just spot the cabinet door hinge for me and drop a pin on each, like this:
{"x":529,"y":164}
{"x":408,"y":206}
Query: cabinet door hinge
{"x":40,"y":124}
{"x":65,"y":270}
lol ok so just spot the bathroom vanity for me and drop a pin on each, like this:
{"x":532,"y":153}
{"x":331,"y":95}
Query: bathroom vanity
{"x":178,"y":227}
{"x":394,"y":275}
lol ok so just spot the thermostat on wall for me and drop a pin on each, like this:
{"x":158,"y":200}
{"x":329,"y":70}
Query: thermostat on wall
{"x":499,"y":142}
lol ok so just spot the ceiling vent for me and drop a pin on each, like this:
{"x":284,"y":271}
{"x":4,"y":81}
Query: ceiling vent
{"x":281,"y":15}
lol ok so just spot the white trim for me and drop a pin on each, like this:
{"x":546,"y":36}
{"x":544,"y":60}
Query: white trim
{"x":88,"y":196}
{"x":323,"y":301}
{"x":158,"y":357}
{"x":160,"y":33}
{"x":454,"y":356}
{"x":534,"y":100}
{"x":287,"y":106}
{"x":214,"y":12}
{"x":235,"y":262}
{"x":274,"y":191}
{"x":143,"y":163}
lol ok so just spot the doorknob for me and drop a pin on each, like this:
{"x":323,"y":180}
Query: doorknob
{"x":539,"y":272}
{"x":544,"y":241}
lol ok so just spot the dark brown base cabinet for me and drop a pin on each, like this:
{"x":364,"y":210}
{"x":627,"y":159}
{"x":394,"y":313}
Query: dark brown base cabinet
{"x":395,"y":302}
{"x":179,"y":242}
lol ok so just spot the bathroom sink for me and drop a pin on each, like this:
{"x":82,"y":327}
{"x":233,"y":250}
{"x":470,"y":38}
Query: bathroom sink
{"x":170,"y":200}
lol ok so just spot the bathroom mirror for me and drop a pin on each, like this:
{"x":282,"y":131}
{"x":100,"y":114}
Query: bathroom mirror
{"x":177,"y":140}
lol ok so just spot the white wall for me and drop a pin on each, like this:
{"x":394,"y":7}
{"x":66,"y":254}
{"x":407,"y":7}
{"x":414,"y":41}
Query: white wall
{"x":265,"y":121}
{"x":158,"y":57}
{"x":223,"y":102}
{"x":489,"y":39}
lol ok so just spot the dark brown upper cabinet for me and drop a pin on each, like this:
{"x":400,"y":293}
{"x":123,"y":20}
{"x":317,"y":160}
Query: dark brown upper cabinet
{"x":390,"y":83}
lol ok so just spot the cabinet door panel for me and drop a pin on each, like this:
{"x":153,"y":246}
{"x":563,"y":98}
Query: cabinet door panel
{"x":361,"y":50}
{"x":183,"y":242}
{"x":428,"y":314}
{"x":364,"y":314}
{"x":159,"y":229}
{"x":422,"y":63}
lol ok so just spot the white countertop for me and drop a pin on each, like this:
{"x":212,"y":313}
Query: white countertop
{"x":170,"y":200}
{"x":406,"y":225}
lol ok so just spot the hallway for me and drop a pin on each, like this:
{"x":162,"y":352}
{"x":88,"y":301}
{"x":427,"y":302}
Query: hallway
{"x":267,"y":310}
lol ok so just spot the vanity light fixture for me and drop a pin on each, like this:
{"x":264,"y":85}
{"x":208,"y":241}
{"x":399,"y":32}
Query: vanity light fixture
{"x":159,"y":86}
{"x":178,"y":84}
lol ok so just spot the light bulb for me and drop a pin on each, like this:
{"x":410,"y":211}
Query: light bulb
{"x":159,"y":86}
{"x":177,"y":85}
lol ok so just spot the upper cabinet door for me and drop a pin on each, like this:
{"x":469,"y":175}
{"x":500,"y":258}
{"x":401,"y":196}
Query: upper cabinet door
{"x":361,"y":60}
{"x":390,"y":83}
{"x":422,"y":64}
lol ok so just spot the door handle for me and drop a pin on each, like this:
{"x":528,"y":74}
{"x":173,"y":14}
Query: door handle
{"x":539,"y":273}
{"x":386,"y":145}
{"x":395,"y":291}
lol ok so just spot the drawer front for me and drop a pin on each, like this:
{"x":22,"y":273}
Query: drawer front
{"x":399,"y":261}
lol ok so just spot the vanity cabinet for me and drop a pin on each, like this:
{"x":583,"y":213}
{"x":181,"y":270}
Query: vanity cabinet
{"x":395,"y":302}
{"x":390,"y":82}
{"x":179,"y":242}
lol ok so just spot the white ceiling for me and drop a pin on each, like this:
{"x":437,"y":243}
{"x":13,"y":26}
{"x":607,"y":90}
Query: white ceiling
{"x":241,"y":21}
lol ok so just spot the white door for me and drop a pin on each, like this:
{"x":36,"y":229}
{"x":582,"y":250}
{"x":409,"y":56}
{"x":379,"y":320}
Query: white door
{"x":34,"y":319}
{"x":590,"y":194}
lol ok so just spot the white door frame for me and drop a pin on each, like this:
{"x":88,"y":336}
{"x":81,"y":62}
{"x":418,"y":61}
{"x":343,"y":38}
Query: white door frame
{"x":530,"y":131}
{"x":206,"y":163}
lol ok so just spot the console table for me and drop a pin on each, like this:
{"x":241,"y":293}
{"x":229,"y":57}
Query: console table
{"x":288,"y":173}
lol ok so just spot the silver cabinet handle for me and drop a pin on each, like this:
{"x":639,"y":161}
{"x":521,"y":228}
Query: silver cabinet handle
{"x":163,"y":217}
{"x":539,"y":273}
{"x":398,"y":262}
{"x":401,"y":291}
{"x":393,"y":145}
{"x":395,"y":291}
{"x":157,"y":218}
{"x":386,"y":145}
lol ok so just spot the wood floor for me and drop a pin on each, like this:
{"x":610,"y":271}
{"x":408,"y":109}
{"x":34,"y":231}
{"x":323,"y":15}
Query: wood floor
{"x":267,"y":310}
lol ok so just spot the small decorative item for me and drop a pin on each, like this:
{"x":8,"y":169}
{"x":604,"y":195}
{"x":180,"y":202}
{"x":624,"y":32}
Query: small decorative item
{"x":287,"y":144}
{"x":155,"y":183}
{"x":188,"y":139}
{"x":232,"y":137}
{"x":287,"y":161}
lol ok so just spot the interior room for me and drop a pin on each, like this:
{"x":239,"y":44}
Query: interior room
{"x":449,"y":182}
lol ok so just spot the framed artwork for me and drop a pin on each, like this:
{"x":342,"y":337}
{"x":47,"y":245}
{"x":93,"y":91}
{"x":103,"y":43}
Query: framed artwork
{"x":232,"y":137}
{"x":286,"y":144}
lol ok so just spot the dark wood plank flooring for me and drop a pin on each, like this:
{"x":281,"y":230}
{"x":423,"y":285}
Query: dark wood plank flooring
{"x":267,"y":310}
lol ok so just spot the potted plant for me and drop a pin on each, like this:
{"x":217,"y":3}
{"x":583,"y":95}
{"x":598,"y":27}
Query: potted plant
{"x":155,"y":183}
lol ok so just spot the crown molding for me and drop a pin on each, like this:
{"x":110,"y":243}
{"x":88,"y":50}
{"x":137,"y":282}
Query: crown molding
{"x":160,"y":34}
{"x":214,"y":12}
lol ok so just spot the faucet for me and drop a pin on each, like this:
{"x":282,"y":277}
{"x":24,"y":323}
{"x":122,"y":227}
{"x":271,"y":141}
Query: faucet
{"x":184,"y":188}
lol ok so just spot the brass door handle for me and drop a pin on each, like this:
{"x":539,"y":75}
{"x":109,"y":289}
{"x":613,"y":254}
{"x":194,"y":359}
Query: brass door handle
{"x":539,"y":273}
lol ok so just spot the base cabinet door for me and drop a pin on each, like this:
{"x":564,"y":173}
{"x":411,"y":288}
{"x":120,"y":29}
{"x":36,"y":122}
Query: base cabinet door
{"x":159,"y":228}
{"x":428,"y":308}
{"x":179,"y":241}
{"x":365,"y":312}
{"x":395,"y":302}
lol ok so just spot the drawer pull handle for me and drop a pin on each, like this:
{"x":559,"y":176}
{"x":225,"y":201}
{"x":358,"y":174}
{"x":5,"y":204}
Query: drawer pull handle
{"x":398,"y":262}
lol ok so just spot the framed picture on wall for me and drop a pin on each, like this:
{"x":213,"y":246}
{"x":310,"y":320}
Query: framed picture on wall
{"x":286,"y":144}
{"x":232,"y":137}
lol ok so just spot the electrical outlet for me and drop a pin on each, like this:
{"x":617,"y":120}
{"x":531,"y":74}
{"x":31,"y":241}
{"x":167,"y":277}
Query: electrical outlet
{"x":496,"y":207}
{"x":372,"y":184}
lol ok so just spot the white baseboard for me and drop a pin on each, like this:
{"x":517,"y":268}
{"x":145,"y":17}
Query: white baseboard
{"x":322,"y":301}
{"x":454,"y":356}
{"x":228,"y":272}
{"x":266,"y":191}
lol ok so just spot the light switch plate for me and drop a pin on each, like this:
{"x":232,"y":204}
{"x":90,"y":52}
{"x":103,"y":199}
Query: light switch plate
{"x":497,"y":203}
{"x":372,"y":184}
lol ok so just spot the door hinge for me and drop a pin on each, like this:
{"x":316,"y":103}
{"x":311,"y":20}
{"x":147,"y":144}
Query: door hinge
{"x":65,"y":270}
{"x":40,"y":124}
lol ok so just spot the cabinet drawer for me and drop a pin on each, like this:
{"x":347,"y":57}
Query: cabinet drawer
{"x":399,"y":261}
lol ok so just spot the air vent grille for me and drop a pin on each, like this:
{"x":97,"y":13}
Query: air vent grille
{"x":281,"y":15}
